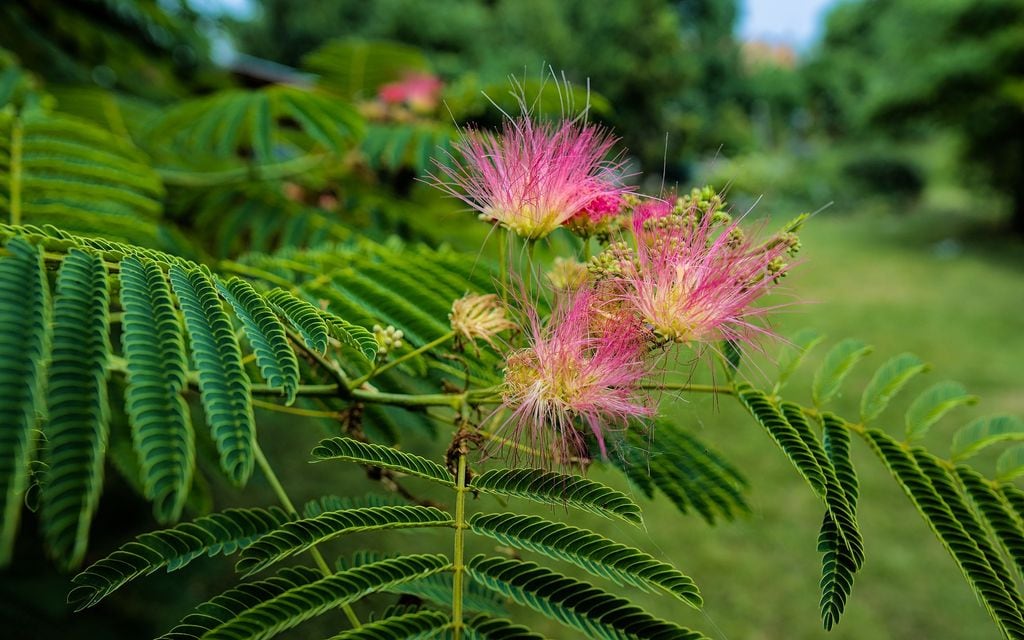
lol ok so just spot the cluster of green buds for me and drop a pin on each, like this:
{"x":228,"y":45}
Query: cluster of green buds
{"x":614,"y":261}
{"x":388,"y":339}
{"x":789,"y":238}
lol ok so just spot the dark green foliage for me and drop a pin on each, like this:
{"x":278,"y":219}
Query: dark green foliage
{"x":306,"y":318}
{"x":548,"y":487}
{"x":270,"y":616}
{"x":157,"y":370}
{"x":840,"y":562}
{"x":222,"y":379}
{"x":266,"y":334}
{"x":596,"y":613}
{"x":299,"y":535}
{"x":233,"y":602}
{"x":349,"y":450}
{"x":415,"y":146}
{"x":983,"y":432}
{"x":997,"y":513}
{"x":591,"y":551}
{"x":77,"y":414}
{"x":484,"y":627}
{"x":24,"y":343}
{"x":224,"y":533}
{"x":684,"y":469}
{"x":788,"y":439}
{"x":407,"y":626}
{"x":352,"y":335}
{"x":933,"y":502}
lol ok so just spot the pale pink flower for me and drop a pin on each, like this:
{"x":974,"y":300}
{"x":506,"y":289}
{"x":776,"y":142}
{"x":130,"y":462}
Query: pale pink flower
{"x":581,"y":370}
{"x":421,"y":91}
{"x":696,"y":282}
{"x":533,"y":177}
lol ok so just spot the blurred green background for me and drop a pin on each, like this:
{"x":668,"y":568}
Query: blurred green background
{"x":900,"y":122}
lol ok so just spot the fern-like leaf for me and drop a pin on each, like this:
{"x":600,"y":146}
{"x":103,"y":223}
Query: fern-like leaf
{"x":484,"y":627}
{"x":575,"y":604}
{"x":789,"y":360}
{"x":1007,"y":527}
{"x":769,"y":417}
{"x":594,"y":553}
{"x":931,"y":502}
{"x":224,"y":533}
{"x":274,"y":355}
{"x":303,"y":602}
{"x":299,"y":535}
{"x":839,"y":561}
{"x":686,"y":470}
{"x":349,"y":450}
{"x":24,"y":344}
{"x":233,"y":602}
{"x":222,"y":379}
{"x":838,"y":363}
{"x":154,"y":349}
{"x":983,"y":432}
{"x":548,"y":487}
{"x":307,"y":319}
{"x":418,"y":625}
{"x":353,"y":335}
{"x":935,"y":402}
{"x":76,"y":429}
{"x":887,"y":382}
{"x":355,"y":68}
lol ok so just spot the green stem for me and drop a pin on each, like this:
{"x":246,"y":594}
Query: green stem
{"x":504,"y":235}
{"x":282,"y":496}
{"x":685,"y":386}
{"x":397,"y":361}
{"x":458,"y":565}
{"x":530,"y":246}
{"x":16,"y":137}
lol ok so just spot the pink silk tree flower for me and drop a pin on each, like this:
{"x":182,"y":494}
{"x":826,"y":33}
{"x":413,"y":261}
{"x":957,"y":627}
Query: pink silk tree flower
{"x":581,"y":370}
{"x":695,"y":281}
{"x":532,"y":177}
{"x":421,"y":91}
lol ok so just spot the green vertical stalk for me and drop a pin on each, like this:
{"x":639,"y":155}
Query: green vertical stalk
{"x":458,"y":565}
{"x":503,"y":249}
{"x":286,"y":502}
{"x":16,"y":143}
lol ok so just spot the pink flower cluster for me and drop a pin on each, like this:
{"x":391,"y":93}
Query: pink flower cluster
{"x":420,"y":91}
{"x":679,"y":272}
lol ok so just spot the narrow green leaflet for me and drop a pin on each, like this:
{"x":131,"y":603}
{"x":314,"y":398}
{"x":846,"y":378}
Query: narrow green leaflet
{"x":935,"y":402}
{"x":1010,"y":464}
{"x":887,"y":382}
{"x":78,"y":415}
{"x":838,"y":363}
{"x":794,"y":353}
{"x":24,"y":343}
{"x":983,"y":432}
{"x":349,"y":450}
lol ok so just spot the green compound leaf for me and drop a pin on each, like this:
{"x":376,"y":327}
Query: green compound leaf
{"x":997,"y":512}
{"x":838,"y":363}
{"x":76,"y":429}
{"x":590,"y":551}
{"x":1010,"y":463}
{"x":685,"y":469}
{"x":548,"y":487}
{"x":983,"y":432}
{"x":418,"y":625}
{"x":299,"y":535}
{"x":840,"y":563}
{"x":784,"y":435}
{"x":887,"y":382}
{"x":302,"y":602}
{"x":154,"y":350}
{"x":353,"y":335}
{"x":224,"y":533}
{"x":793,"y":355}
{"x":307,"y":319}
{"x":595,"y":612}
{"x":349,"y":450}
{"x":935,"y":402}
{"x":933,"y":500}
{"x":274,"y":355}
{"x":484,"y":627}
{"x":222,"y":379}
{"x":24,"y":345}
{"x":237,"y":600}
